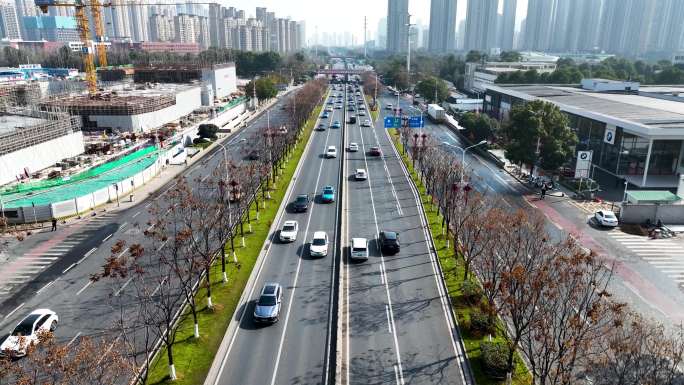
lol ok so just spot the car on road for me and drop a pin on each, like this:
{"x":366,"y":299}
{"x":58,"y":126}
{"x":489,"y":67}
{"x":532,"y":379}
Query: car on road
{"x":267,"y":308}
{"x":361,"y":113}
{"x":606,"y":218}
{"x":325,"y":115}
{"x":319,"y":244}
{"x":362,"y":107}
{"x":321,"y":127}
{"x":388,"y":106}
{"x":358,"y":250}
{"x":328,"y":194}
{"x":301,"y":203}
{"x":331,"y":152}
{"x":338,"y":106}
{"x":375,"y":151}
{"x":353,"y":147}
{"x":289,"y":231}
{"x":389,"y":242}
{"x":366,"y":123}
{"x":352,"y":119}
{"x":336,"y":124}
{"x":328,"y":109}
{"x":360,"y":174}
{"x":28,"y":332}
{"x":331,"y":101}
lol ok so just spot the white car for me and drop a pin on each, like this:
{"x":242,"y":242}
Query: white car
{"x":360,"y":174}
{"x":331,"y":152}
{"x":358,"y":250}
{"x":362,"y":113}
{"x":388,"y":106}
{"x":353,"y":147}
{"x":606,"y":218}
{"x":319,"y":244}
{"x":289,"y":231}
{"x":366,"y":123}
{"x":28,"y":332}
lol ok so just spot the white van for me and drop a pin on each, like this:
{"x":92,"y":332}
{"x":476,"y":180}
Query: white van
{"x":359,"y":249}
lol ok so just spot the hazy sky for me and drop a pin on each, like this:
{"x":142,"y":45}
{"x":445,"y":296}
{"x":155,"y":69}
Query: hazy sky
{"x":343,"y":15}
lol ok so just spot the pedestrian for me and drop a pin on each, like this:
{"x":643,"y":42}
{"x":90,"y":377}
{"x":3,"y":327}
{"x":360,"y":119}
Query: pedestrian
{"x":543,"y":191}
{"x":54,"y":224}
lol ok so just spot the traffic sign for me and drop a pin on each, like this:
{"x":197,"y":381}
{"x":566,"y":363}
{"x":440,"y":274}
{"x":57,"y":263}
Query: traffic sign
{"x":416,"y":122}
{"x":392,"y":122}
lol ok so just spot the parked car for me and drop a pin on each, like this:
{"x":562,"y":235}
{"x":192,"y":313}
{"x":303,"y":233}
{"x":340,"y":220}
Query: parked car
{"x":389,"y":242}
{"x":289,"y":231}
{"x":267,"y":309}
{"x":358,"y":250}
{"x":375,"y":151}
{"x":353,"y":147}
{"x":328,"y":194}
{"x":360,"y":174}
{"x":319,"y":244}
{"x":606,"y":218}
{"x":301,"y":203}
{"x":28,"y":332}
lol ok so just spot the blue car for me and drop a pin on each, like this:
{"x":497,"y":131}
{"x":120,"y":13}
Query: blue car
{"x":336,"y":124}
{"x":328,"y":194}
{"x":325,"y":115}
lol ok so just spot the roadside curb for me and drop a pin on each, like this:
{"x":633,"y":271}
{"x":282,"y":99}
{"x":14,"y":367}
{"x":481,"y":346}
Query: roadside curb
{"x":221,"y":356}
{"x":468,"y":376}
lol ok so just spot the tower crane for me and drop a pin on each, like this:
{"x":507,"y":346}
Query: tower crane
{"x":85,"y":33}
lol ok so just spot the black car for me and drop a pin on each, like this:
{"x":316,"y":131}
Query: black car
{"x":389,"y":242}
{"x":301,"y":203}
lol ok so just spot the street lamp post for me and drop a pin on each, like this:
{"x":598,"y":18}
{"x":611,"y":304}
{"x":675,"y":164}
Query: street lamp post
{"x":624,"y":196}
{"x":463,"y":153}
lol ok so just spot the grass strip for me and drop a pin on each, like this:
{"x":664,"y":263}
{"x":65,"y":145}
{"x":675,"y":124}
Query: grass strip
{"x":374,"y":114}
{"x":453,"y":270}
{"x":193,"y":357}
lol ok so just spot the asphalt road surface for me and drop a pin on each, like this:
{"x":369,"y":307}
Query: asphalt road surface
{"x":396,"y":323}
{"x":648,"y":274}
{"x":80,"y":249}
{"x":295,"y":350}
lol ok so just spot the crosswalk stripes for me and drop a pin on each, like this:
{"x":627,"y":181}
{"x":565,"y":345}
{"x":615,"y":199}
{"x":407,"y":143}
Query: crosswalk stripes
{"x":664,"y":254}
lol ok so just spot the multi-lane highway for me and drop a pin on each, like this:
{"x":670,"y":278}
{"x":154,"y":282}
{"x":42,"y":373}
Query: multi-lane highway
{"x":396,"y":322}
{"x":296,"y":349}
{"x":79,"y":249}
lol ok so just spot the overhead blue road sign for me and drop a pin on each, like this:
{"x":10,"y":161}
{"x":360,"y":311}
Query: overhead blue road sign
{"x":416,"y":122}
{"x":392,"y":122}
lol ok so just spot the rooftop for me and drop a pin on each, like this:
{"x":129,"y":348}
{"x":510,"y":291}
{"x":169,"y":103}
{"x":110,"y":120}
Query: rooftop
{"x":634,"y":112}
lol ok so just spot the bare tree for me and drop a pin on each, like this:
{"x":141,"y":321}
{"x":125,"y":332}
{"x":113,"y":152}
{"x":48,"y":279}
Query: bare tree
{"x":637,"y":351}
{"x":575,"y":311}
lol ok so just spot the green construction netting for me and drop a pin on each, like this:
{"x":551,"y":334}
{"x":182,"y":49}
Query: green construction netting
{"x":233,"y":103}
{"x":34,"y":186}
{"x":83,"y":187}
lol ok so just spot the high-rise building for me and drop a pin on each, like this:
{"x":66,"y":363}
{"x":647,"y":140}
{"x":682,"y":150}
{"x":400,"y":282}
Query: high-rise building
{"x":51,"y":28}
{"x":215,"y":24}
{"x":381,"y":37}
{"x":583,"y":36}
{"x":673,"y":36}
{"x":397,"y":29}
{"x":9,"y":25}
{"x":117,"y":23}
{"x":507,"y":27}
{"x":481,"y":25}
{"x":139,"y":19}
{"x":442,"y":26}
{"x":192,"y":29}
{"x":162,"y":28}
{"x":539,"y":24}
{"x":301,"y":34}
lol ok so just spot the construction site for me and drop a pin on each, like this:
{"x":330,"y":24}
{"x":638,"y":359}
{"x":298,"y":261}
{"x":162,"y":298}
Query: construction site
{"x":31,"y":140}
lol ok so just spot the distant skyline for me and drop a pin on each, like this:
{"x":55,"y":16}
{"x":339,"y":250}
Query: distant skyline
{"x":335,"y":16}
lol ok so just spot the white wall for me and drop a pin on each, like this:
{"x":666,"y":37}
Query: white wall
{"x":222,"y":80}
{"x":187,"y":100}
{"x":40,"y":156}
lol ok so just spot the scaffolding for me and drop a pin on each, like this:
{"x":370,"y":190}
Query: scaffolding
{"x":19,"y":94}
{"x":23,"y":127}
{"x":112,"y":104}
